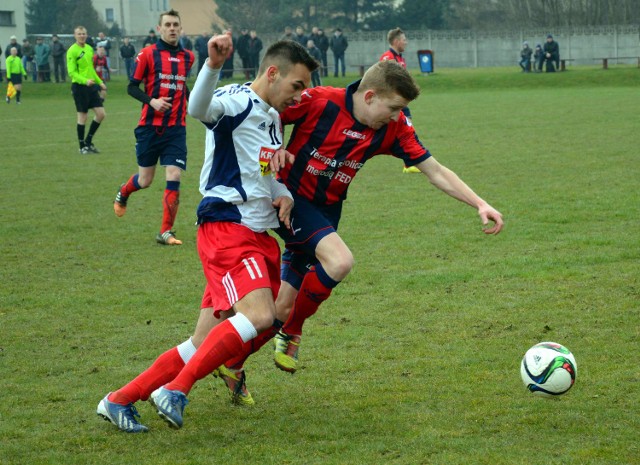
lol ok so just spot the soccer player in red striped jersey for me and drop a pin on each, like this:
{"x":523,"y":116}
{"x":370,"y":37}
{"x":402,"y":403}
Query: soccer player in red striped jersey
{"x":335,"y":132}
{"x":161,"y":133}
{"x":398,"y":43}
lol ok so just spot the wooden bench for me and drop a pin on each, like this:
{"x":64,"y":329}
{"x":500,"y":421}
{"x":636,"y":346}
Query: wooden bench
{"x":605,"y":60}
{"x":563,"y":62}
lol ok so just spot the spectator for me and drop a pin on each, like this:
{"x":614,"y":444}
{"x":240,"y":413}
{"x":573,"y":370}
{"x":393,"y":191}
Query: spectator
{"x":58,"y":51}
{"x":288,"y":34}
{"x":525,"y":57}
{"x":104,"y":41}
{"x":13,"y":42}
{"x":28,"y":53}
{"x":538,"y":57}
{"x":90,"y":42}
{"x":322,"y":42}
{"x":551,"y":54}
{"x":227,"y":67}
{"x":201,"y":48}
{"x":185,"y":42}
{"x":43,"y":52}
{"x":255,"y":46}
{"x":15,"y":71}
{"x":150,"y":39}
{"x":242,"y":45}
{"x":315,"y":53}
{"x":101,"y":64}
{"x":338,"y":44}
{"x":300,"y":36}
{"x":127,"y":52}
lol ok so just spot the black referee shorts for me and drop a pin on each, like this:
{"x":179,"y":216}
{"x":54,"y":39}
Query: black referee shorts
{"x":86,"y":97}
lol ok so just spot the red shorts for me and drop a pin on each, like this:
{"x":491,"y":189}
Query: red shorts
{"x":236,"y":261}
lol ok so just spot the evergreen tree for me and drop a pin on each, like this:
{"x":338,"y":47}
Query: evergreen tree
{"x":62,"y":16}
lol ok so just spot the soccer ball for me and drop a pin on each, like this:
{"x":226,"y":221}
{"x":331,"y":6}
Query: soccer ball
{"x":548,"y":369}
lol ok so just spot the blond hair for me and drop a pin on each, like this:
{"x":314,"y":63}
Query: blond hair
{"x":387,"y":78}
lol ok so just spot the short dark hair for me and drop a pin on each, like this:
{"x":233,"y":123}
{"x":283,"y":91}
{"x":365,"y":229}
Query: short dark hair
{"x":285,"y":54}
{"x":171,"y":12}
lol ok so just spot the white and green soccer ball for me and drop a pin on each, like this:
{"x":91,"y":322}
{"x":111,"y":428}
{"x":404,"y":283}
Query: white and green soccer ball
{"x":548,"y":369}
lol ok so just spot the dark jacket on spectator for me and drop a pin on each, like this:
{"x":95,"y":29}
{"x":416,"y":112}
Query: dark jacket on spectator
{"x":338,"y":44}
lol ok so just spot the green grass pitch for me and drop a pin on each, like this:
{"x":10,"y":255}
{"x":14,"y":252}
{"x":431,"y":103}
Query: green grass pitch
{"x":413,"y":360}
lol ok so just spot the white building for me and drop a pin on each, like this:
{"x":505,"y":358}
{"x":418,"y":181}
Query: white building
{"x":12,"y":21}
{"x":134,"y":17}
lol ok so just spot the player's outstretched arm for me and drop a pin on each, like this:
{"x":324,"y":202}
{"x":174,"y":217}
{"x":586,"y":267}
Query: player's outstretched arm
{"x":449,"y":182}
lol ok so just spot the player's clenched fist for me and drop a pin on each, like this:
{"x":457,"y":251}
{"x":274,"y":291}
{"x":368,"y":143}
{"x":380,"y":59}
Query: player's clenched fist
{"x":219,"y":47}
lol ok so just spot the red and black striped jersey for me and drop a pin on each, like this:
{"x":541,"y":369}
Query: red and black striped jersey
{"x":391,"y":54}
{"x":163,"y":69}
{"x":331,"y":146}
{"x":101,"y":64}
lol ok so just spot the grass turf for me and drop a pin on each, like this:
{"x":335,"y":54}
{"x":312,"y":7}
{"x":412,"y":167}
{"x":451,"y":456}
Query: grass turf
{"x":414,"y":359}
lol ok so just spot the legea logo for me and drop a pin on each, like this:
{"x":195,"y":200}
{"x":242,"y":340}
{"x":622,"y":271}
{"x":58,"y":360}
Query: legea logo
{"x":353,"y":134}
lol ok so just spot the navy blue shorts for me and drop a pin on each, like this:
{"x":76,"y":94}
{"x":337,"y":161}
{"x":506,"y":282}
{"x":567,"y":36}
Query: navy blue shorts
{"x":309,"y":224}
{"x":167,"y":144}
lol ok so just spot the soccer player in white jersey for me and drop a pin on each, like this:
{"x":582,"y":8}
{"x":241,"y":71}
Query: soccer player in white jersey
{"x":241,"y":200}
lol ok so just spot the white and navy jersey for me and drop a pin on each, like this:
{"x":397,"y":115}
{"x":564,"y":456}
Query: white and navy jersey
{"x":243,"y":133}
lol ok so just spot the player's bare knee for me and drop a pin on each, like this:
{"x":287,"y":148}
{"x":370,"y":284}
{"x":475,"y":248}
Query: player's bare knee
{"x":340,"y":266}
{"x":283,"y":311}
{"x":262,"y":320}
{"x":144,"y":181}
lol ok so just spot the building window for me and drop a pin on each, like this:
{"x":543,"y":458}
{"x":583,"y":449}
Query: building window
{"x":109,"y":15}
{"x":6,"y":18}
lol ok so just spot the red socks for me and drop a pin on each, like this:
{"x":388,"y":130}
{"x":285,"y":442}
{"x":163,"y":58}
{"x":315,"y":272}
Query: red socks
{"x":163,"y":370}
{"x":251,"y":347}
{"x":170,"y":203}
{"x":312,"y":293}
{"x":130,"y":186}
{"x":221,"y":344}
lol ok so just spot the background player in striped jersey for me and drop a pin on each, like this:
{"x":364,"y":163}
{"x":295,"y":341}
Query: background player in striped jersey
{"x":240,"y":197}
{"x":161,"y":133}
{"x":397,"y":45}
{"x":85,"y":87}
